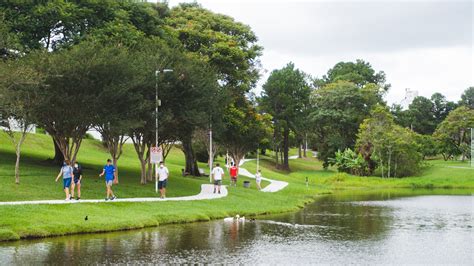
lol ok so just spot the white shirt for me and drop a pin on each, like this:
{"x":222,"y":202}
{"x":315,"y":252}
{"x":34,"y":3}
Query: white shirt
{"x":163,"y":173}
{"x":258,"y":177}
{"x":217,"y":173}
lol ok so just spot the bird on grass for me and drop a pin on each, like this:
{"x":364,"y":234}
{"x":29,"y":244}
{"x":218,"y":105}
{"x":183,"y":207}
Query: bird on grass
{"x":86,"y":218}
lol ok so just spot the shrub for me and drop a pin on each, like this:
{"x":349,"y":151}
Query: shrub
{"x":350,"y":162}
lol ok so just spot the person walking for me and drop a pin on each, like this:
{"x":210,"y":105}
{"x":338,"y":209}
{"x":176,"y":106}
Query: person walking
{"x":77,"y":174}
{"x":66,"y":172}
{"x":110,"y":178}
{"x":217,"y":175}
{"x":234,"y":171}
{"x":258,"y":179}
{"x":163,"y":174}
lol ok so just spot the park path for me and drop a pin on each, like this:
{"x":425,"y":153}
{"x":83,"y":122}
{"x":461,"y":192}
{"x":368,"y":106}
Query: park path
{"x":274,"y":185}
{"x":206,"y":193}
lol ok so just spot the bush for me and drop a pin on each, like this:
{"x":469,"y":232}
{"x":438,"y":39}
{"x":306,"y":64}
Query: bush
{"x":350,"y":162}
{"x":337,"y":178}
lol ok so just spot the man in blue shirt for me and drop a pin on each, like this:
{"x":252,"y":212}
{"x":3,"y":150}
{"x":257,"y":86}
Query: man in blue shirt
{"x":110,"y":178}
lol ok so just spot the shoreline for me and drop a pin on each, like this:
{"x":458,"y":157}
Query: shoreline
{"x":32,"y":235}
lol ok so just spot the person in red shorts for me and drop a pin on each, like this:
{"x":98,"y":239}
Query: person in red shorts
{"x":234,"y":171}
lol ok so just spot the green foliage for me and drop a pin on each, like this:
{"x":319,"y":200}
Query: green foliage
{"x":64,"y":23}
{"x":360,"y":73}
{"x":467,"y":98}
{"x":338,"y":109}
{"x":350,"y":162}
{"x":391,"y":146}
{"x":285,"y":97}
{"x":427,"y":145}
{"x":243,"y":130}
{"x":228,"y":46}
{"x":453,"y":134}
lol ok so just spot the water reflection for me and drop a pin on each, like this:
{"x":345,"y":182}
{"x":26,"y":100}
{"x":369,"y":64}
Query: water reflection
{"x":370,"y":228}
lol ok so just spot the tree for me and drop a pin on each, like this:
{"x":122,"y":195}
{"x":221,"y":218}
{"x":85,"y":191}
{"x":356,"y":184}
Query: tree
{"x":467,"y":98}
{"x":421,"y":115}
{"x":118,"y":101}
{"x":337,"y":110}
{"x":243,"y":131}
{"x":228,"y":46}
{"x":391,"y":146}
{"x":74,"y":80}
{"x":441,"y":107}
{"x":285,"y":96}
{"x":360,"y":73}
{"x":453,"y":133}
{"x":18,"y":82}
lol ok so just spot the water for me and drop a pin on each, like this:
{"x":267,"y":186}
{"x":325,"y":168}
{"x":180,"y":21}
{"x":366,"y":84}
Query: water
{"x":342,"y":229}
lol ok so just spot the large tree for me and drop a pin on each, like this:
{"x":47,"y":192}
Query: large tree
{"x":421,"y":115}
{"x":243,"y":129}
{"x":453,"y":134}
{"x":285,"y":96}
{"x":392,"y":147}
{"x":337,"y":111}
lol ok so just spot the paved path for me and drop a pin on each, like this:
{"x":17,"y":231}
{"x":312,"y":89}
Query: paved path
{"x":205,"y":194}
{"x":274,"y":186}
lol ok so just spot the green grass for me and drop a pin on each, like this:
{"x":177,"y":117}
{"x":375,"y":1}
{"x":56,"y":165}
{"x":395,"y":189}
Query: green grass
{"x":37,"y":182}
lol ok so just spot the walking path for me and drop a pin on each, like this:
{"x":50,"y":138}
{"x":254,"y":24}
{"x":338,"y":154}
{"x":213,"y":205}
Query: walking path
{"x":205,"y":194}
{"x":274,"y":186}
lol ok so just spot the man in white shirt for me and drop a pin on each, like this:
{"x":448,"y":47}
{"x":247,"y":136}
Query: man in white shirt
{"x":162,"y":173}
{"x":217,"y":174}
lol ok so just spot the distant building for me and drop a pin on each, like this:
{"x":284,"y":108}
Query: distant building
{"x":410,"y":95}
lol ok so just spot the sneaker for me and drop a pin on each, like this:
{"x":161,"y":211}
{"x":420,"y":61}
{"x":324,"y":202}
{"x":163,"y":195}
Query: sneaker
{"x":78,"y":198}
{"x":113,"y":197}
{"x":71,"y":197}
{"x":106,"y":199}
{"x":219,"y":192}
{"x":214,"y":191}
{"x":67,"y":199}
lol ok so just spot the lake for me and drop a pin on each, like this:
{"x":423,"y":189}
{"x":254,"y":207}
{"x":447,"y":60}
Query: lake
{"x":357,"y":228}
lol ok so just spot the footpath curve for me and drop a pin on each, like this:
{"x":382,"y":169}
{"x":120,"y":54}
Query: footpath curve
{"x":274,"y":186}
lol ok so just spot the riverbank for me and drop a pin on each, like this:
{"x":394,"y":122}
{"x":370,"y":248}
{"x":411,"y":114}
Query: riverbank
{"x":37,"y":182}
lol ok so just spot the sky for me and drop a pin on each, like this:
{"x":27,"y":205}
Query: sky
{"x":426,"y":46}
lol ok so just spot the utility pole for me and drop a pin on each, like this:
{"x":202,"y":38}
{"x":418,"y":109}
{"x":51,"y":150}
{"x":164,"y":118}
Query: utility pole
{"x":157,"y":103}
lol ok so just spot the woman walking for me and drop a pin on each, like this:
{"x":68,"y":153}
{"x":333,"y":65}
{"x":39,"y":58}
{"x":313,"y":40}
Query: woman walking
{"x":77,"y":173}
{"x":66,"y":172}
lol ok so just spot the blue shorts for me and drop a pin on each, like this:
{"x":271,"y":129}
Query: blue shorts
{"x":109,"y":183}
{"x":77,"y":181}
{"x":162,"y":184}
{"x":66,"y":183}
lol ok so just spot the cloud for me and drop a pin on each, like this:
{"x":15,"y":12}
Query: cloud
{"x":422,"y":45}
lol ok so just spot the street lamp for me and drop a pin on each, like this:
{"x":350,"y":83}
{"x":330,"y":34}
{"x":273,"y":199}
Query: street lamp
{"x":157,"y":103}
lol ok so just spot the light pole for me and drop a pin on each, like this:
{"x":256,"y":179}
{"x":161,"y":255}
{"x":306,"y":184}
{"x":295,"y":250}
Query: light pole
{"x":157,"y":103}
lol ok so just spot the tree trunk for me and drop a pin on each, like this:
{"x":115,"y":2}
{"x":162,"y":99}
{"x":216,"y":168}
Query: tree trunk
{"x":300,"y":154}
{"x":286,"y":136}
{"x":58,"y":155}
{"x":143,"y":180}
{"x":17,"y":165}
{"x":191,"y":163}
{"x":305,"y":147}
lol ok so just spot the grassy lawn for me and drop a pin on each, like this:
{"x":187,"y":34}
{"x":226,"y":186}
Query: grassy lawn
{"x":37,"y":182}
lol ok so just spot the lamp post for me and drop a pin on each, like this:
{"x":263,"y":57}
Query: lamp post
{"x":157,"y":103}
